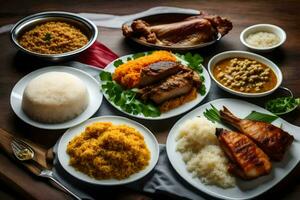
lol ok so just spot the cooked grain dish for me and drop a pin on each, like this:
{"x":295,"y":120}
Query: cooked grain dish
{"x":55,"y":97}
{"x":107,"y":151}
{"x":202,"y":154}
{"x":262,"y":39}
{"x":53,"y":38}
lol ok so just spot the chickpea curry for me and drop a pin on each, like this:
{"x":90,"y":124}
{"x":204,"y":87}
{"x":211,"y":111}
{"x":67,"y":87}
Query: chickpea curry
{"x":245,"y":75}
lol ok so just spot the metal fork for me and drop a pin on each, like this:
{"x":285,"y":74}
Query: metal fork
{"x":24,"y":152}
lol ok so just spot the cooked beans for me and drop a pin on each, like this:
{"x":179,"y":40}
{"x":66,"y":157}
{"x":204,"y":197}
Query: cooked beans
{"x":245,"y":75}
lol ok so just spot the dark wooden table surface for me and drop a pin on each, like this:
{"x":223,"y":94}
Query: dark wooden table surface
{"x":13,"y":66}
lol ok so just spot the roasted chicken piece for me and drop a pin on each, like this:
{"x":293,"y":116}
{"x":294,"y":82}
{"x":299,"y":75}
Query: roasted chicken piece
{"x":271,"y":139}
{"x":193,"y":30}
{"x":248,"y":161}
{"x":157,"y":71}
{"x":171,"y":87}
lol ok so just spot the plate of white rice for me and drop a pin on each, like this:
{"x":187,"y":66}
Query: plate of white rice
{"x":195,"y":154}
{"x":57,"y":97}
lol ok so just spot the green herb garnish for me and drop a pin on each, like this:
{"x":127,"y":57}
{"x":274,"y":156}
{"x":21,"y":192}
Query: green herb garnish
{"x":257,"y":116}
{"x":47,"y":37}
{"x":194,"y":62}
{"x":282,"y":105}
{"x":126,"y":99}
{"x":105,"y":76}
{"x":118,"y":62}
{"x":137,"y":55}
{"x":213,"y":115}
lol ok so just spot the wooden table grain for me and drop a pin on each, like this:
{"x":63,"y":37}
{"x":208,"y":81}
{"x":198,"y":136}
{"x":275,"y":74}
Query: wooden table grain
{"x":14,"y":66}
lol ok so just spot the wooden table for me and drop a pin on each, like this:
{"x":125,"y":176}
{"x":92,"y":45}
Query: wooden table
{"x":14,"y":66}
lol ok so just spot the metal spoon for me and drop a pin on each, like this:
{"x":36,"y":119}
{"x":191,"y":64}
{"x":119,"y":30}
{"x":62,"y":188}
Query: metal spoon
{"x":24,"y":152}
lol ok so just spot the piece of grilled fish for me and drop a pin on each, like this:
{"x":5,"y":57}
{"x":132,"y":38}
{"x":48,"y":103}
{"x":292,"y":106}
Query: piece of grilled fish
{"x":271,"y":139}
{"x":248,"y":161}
{"x":158,"y":71}
{"x":171,"y":87}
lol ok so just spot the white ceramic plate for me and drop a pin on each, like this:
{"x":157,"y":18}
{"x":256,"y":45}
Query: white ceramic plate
{"x":95,"y":97}
{"x":244,"y":189}
{"x":174,"y":112}
{"x":149,"y":138}
{"x":244,"y":54}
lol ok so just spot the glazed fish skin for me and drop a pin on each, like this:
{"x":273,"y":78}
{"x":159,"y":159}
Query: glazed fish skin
{"x":271,"y":139}
{"x":248,"y":160}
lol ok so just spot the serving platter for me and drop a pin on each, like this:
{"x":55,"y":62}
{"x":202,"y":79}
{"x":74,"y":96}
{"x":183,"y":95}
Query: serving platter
{"x":149,"y":138}
{"x":165,"y":18}
{"x":243,"y":189}
{"x":174,"y":112}
{"x":95,"y":97}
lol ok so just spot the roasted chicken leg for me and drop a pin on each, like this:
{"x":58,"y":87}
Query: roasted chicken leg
{"x":248,"y":161}
{"x":271,"y":139}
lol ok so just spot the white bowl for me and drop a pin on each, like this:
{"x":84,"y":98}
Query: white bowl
{"x":265,"y":28}
{"x":244,"y":54}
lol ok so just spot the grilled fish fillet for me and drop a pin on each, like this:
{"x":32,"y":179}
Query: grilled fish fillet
{"x":171,"y":87}
{"x":155,"y":72}
{"x":248,"y":160}
{"x":271,"y":139}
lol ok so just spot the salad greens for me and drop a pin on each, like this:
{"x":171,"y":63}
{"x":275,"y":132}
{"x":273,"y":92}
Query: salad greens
{"x":118,"y":62}
{"x":194,"y":62}
{"x":282,"y":105}
{"x":213,"y":115}
{"x":126,"y":98}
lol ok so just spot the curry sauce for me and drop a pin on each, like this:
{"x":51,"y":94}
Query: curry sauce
{"x":245,"y":75}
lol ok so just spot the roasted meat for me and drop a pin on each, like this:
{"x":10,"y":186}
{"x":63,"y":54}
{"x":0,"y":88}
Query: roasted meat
{"x":193,"y":30}
{"x":271,"y":139}
{"x":248,"y":161}
{"x":171,"y":87}
{"x":157,"y":71}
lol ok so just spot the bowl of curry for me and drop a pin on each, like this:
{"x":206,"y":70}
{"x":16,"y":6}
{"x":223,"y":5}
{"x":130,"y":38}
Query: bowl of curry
{"x":245,"y":74}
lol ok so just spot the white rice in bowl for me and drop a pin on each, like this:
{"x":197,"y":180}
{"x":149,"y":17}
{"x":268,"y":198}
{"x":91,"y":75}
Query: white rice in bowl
{"x":202,"y":154}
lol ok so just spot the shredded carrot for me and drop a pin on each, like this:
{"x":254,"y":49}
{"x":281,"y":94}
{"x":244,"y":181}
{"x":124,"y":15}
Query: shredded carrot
{"x":128,"y":74}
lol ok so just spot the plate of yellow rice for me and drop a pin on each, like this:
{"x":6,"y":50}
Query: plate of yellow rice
{"x":108,"y":150}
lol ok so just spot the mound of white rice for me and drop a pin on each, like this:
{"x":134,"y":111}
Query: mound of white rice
{"x":55,"y":97}
{"x":202,"y":154}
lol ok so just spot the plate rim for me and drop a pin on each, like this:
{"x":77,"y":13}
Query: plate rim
{"x":208,"y":87}
{"x":46,"y":126}
{"x":205,"y":190}
{"x":156,"y":158}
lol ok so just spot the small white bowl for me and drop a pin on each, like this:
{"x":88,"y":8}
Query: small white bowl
{"x":244,"y":54}
{"x":265,"y":28}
